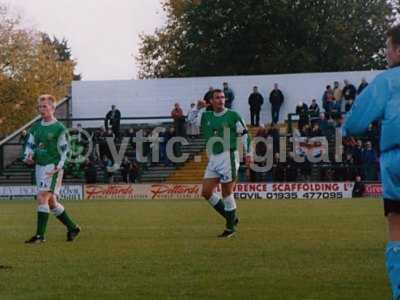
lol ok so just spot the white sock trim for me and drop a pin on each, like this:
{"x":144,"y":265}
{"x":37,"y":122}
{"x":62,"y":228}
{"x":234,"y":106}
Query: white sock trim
{"x":58,"y":210}
{"x":44,"y":208}
{"x":214,"y":199}
{"x":230,"y":203}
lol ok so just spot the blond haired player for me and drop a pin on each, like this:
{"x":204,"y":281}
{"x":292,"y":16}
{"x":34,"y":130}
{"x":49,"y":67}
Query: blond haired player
{"x":47,"y":148}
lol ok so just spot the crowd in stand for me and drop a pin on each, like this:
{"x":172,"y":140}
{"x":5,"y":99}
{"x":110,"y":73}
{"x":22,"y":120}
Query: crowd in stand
{"x":360,"y":154}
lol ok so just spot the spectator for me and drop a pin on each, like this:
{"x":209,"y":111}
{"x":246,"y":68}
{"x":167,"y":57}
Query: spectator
{"x":325,"y":97}
{"x":369,"y":162}
{"x":109,"y":137}
{"x":134,"y":172}
{"x":302,"y":111}
{"x":261,"y":148}
{"x":305,"y":131}
{"x":107,"y":167}
{"x":192,"y":128}
{"x":330,"y":129}
{"x":316,"y":131}
{"x":359,"y":188}
{"x":350,"y":170}
{"x":130,"y":134}
{"x":229,"y":95}
{"x":274,"y":133}
{"x":329,"y":104}
{"x":362,"y":86}
{"x":349,"y":94}
{"x":114,"y":118}
{"x":208,"y":96}
{"x":349,"y":91}
{"x":101,"y":144}
{"x":314,"y":111}
{"x":165,"y":137}
{"x":292,"y":168}
{"x":125,"y":166}
{"x":276,"y":99}
{"x":335,"y":108}
{"x":337,"y":91}
{"x":278,"y":169}
{"x":260,"y":151}
{"x":146,"y":145}
{"x":256,"y":100}
{"x":348,"y":105}
{"x":357,"y":153}
{"x":90,"y":171}
{"x":179,"y":120}
{"x":339,"y":122}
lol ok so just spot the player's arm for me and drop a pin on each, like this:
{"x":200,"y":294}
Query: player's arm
{"x":64,"y":149}
{"x":29,"y":150}
{"x":242,"y":130}
{"x":368,"y":107}
{"x":199,"y":116}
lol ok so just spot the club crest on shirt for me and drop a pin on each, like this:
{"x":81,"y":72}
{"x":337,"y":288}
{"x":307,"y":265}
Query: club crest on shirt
{"x":41,"y":146}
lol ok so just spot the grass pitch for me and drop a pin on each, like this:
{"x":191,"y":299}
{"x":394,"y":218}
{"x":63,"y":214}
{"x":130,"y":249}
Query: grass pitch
{"x":309,"y":250}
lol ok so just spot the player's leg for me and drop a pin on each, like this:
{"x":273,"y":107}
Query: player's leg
{"x":210,"y":182}
{"x":228,"y":170}
{"x":393,"y":252}
{"x":391,"y":188}
{"x":208,"y":192}
{"x":43,"y":212}
{"x":61,"y":214}
{"x":43,"y":196}
{"x":230,"y":205}
{"x":58,"y":209}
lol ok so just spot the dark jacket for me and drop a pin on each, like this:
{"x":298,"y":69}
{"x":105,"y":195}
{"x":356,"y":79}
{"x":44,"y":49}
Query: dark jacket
{"x":229,"y":97}
{"x":361,"y":87}
{"x":114,"y":119}
{"x":359,"y":189}
{"x":276,"y":98}
{"x":349,"y":92}
{"x":256,"y":100}
{"x":314,"y":110}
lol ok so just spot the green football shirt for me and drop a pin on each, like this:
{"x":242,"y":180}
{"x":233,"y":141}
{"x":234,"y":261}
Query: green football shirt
{"x":226,"y":128}
{"x":47,"y":143}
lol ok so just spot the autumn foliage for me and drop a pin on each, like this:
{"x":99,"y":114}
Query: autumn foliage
{"x":30,"y":64}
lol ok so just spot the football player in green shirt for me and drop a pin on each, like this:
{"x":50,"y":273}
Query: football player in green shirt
{"x":223,"y":130}
{"x":47,"y":148}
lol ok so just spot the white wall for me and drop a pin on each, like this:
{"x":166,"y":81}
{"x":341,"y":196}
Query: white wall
{"x":140,"y":98}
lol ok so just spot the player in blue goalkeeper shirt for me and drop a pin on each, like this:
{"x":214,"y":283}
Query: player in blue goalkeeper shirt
{"x":380,"y":101}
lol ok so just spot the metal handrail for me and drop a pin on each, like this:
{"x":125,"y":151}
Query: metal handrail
{"x":126,"y":118}
{"x":27,"y":125}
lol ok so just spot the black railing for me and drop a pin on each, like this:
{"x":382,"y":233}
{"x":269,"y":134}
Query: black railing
{"x":10,"y":140}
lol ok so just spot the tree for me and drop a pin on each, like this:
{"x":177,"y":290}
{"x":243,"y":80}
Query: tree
{"x":30,"y":64}
{"x":234,"y":37}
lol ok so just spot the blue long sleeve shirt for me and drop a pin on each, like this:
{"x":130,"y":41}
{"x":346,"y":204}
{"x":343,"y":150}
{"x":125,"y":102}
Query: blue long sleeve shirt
{"x":379,"y":101}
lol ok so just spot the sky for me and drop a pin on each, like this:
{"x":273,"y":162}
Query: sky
{"x":103,"y":34}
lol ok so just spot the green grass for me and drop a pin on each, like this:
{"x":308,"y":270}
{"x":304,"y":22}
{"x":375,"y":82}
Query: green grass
{"x":308,"y":250}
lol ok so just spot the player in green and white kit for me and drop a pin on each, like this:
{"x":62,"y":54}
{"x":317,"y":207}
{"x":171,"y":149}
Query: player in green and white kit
{"x":223,"y":129}
{"x":47,"y":147}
